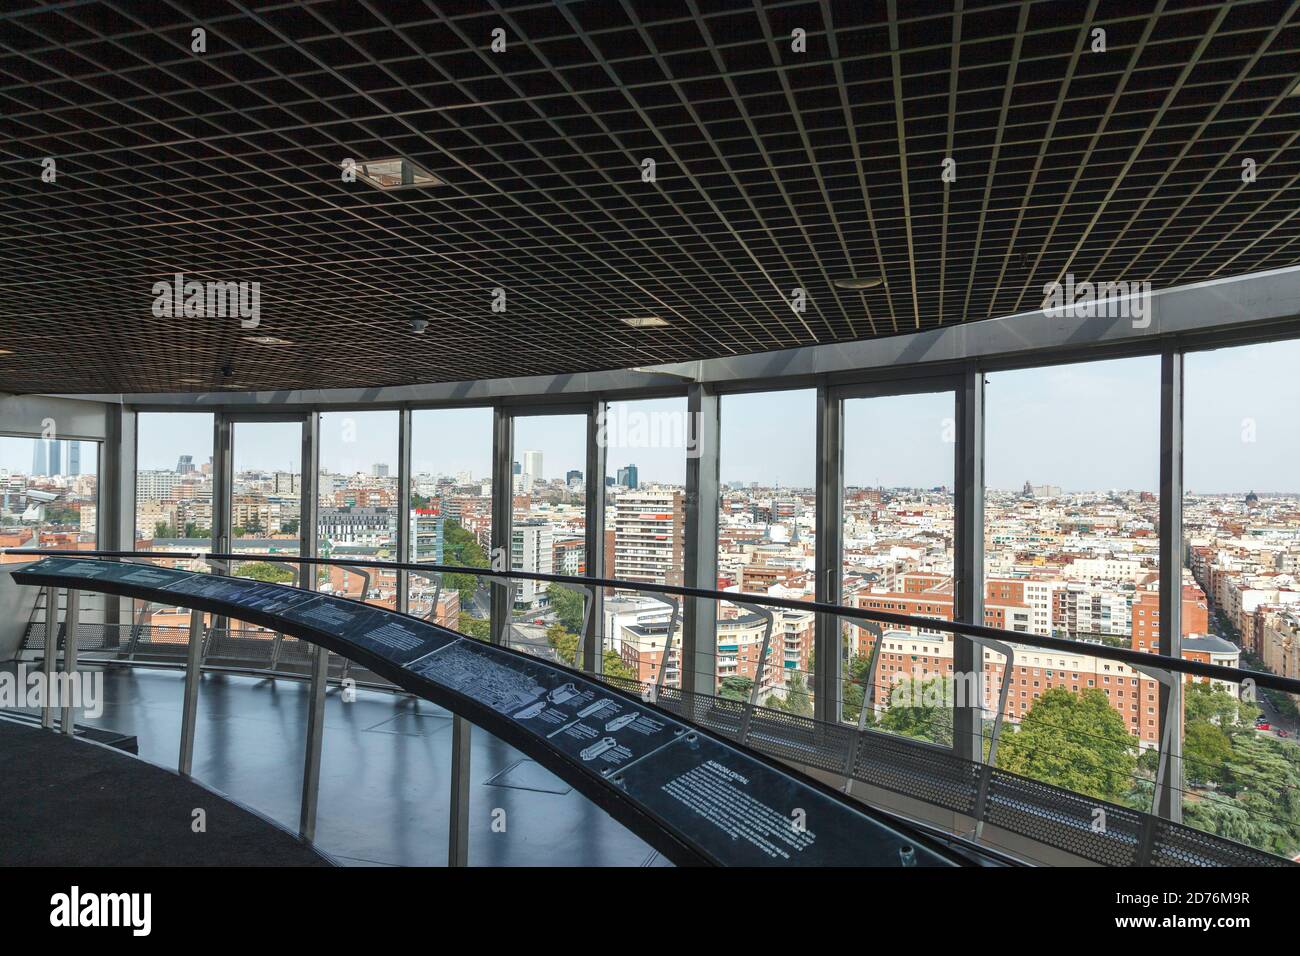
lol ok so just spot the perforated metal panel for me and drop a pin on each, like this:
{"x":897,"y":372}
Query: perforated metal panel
{"x":925,"y":772}
{"x":1087,"y":827}
{"x":1177,"y":845}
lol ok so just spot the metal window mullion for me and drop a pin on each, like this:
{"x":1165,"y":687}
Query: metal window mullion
{"x":308,"y":508}
{"x":828,"y":697}
{"x":593,"y":643}
{"x":404,"y":477}
{"x":700,"y":555}
{"x":503,"y":430}
{"x":968,"y":569}
{"x":1168,"y":798}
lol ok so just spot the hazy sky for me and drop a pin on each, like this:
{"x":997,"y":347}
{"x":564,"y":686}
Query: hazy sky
{"x":1092,"y":425}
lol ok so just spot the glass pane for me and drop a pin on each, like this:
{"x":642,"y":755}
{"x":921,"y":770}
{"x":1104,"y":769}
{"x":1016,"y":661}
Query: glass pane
{"x":1071,"y":519}
{"x":451,"y":516}
{"x":767,"y":528}
{"x":548,"y":533}
{"x":49,"y":492}
{"x":356,"y":508}
{"x":1241,"y":596}
{"x":645,"y":534}
{"x":899,"y":527}
{"x":266,"y":495}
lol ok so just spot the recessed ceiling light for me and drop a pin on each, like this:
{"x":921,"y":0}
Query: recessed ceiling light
{"x":645,"y":322}
{"x":395,"y":173}
{"x":856,"y":285}
{"x":266,"y":340}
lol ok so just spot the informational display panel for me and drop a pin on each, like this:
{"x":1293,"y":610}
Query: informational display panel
{"x":726,"y":803}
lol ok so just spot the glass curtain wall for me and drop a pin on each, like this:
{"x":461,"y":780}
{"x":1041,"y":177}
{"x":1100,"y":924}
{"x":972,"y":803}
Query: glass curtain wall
{"x":357,"y":503}
{"x":646,"y":447}
{"x":767,"y":527}
{"x":450,"y":521}
{"x":1071,"y":550}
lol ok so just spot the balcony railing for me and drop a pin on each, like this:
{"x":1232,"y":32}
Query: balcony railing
{"x":920,"y":771}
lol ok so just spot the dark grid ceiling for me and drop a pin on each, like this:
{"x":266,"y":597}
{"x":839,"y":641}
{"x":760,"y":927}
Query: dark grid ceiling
{"x":776,"y":170}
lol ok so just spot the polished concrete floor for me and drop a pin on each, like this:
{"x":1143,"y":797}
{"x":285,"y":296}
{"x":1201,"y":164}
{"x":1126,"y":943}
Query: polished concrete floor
{"x":385,"y":784}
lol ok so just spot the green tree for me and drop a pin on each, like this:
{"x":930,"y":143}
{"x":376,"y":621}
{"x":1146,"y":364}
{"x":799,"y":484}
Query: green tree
{"x":1205,"y":702}
{"x":921,"y":708}
{"x":1258,"y":800}
{"x":736,"y":688}
{"x":1206,"y":753}
{"x":797,"y":700}
{"x":1078,"y":742}
{"x":477,"y":628}
{"x":163,"y":530}
{"x":855,"y":689}
{"x":568,"y":607}
{"x":266,"y":571}
{"x":564,"y":642}
{"x":461,"y":549}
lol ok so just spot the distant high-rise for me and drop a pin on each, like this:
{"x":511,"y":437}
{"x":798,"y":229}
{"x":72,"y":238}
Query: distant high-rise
{"x":533,"y":465}
{"x":379,"y":471}
{"x":74,"y":458}
{"x":516,"y":469}
{"x":184,"y":464}
{"x":40,"y":457}
{"x":571,"y":476}
{"x":627,"y":477}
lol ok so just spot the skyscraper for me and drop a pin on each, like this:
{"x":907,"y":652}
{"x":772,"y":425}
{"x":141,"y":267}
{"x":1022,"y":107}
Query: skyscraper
{"x":74,"y":458}
{"x":533,"y":465}
{"x":40,"y":458}
{"x":627,"y":476}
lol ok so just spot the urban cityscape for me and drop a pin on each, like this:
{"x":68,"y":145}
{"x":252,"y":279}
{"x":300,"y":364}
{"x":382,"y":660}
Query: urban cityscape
{"x":1059,"y":562}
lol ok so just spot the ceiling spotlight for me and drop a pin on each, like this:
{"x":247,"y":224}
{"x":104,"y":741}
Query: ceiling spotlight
{"x":266,"y":340}
{"x":856,"y":284}
{"x":645,"y":322}
{"x":419,"y":325}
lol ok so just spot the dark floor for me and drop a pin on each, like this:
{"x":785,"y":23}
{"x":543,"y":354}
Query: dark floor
{"x":385,"y":783}
{"x":69,"y":803}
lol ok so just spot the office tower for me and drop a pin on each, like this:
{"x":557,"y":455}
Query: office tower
{"x":627,"y":476}
{"x":185,"y":464}
{"x":379,"y":471}
{"x":74,"y":458}
{"x":40,"y":457}
{"x":533,"y":465}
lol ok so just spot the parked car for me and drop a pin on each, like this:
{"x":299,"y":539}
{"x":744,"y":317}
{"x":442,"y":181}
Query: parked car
{"x":1282,"y":733}
{"x":1264,"y":725}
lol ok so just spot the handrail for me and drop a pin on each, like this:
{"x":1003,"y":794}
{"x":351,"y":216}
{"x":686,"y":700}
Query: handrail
{"x":1106,"y":652}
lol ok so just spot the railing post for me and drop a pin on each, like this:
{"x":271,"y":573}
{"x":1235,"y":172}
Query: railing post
{"x":315,"y":734}
{"x":758,"y":671}
{"x":190,"y":704}
{"x":71,"y":619}
{"x":458,"y":808}
{"x":51,"y":652}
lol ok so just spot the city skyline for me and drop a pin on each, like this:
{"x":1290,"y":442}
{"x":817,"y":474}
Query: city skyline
{"x":1239,"y":433}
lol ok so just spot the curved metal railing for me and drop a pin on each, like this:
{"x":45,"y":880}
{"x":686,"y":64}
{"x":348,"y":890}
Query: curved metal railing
{"x":915,"y":768}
